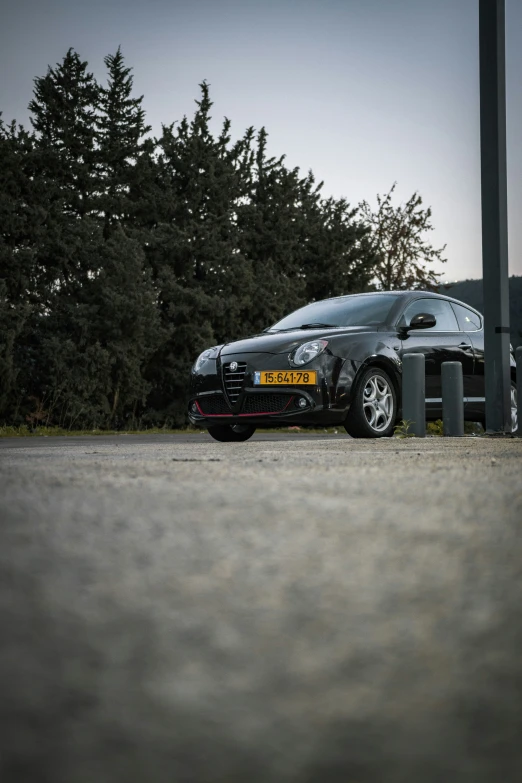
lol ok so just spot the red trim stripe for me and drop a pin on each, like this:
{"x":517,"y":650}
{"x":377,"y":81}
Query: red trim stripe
{"x":229,"y":415}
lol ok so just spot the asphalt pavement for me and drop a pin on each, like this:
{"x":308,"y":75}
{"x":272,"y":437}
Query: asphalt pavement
{"x":296,"y":608}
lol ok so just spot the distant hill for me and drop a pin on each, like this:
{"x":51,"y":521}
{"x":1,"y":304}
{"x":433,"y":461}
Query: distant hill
{"x":470,"y":291}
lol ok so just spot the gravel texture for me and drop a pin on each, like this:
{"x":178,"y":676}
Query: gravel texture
{"x":294,"y":610}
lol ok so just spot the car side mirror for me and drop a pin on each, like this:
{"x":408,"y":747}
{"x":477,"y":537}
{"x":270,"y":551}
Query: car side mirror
{"x":422,"y":321}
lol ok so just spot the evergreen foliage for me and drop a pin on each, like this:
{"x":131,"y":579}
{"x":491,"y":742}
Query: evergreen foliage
{"x":63,"y":115}
{"x":120,"y":131}
{"x":123,"y":256}
{"x":18,"y":242}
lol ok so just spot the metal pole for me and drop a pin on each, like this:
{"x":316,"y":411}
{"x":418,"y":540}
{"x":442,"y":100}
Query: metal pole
{"x":452,"y":399}
{"x":494,"y":213}
{"x":414,"y":393}
{"x":518,"y":355}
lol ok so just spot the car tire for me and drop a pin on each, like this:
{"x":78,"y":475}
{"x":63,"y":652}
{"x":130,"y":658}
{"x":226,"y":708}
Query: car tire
{"x":232,"y":433}
{"x":373,"y":409}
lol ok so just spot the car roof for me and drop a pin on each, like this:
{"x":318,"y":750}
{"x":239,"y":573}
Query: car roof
{"x":409,"y":294}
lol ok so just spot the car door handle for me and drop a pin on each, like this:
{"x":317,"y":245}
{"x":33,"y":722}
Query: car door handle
{"x":465,"y":347}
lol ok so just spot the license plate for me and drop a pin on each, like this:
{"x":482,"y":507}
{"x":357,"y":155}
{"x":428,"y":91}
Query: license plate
{"x":285,"y":378}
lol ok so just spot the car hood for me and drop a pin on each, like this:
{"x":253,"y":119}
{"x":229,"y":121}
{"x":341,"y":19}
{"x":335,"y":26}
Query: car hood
{"x":284,"y":342}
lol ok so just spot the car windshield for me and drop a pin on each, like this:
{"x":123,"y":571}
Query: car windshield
{"x":355,"y":310}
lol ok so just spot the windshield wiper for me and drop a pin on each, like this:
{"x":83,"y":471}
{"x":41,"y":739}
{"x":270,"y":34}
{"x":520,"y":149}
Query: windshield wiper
{"x":316,"y":326}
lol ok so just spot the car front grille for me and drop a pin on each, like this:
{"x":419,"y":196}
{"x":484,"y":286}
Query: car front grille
{"x":214,"y":406}
{"x":234,"y":380}
{"x":266,"y":403}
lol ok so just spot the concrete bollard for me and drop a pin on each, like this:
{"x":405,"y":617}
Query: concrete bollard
{"x":414,"y":392}
{"x":518,"y":355}
{"x":452,"y":399}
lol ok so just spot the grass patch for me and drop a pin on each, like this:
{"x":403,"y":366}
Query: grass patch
{"x":433,"y":429}
{"x":436,"y":428}
{"x":24,"y":431}
{"x":402,"y":429}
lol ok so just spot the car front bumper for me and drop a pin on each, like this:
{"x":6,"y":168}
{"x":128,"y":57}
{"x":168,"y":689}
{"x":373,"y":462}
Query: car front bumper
{"x":212,"y":402}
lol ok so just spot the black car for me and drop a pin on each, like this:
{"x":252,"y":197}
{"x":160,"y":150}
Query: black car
{"x":338,"y":361}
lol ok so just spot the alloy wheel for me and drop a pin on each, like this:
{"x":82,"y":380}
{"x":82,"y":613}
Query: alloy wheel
{"x":378,"y":403}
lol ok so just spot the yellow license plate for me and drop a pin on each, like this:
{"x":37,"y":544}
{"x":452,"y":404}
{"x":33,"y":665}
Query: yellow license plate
{"x":285,"y":378}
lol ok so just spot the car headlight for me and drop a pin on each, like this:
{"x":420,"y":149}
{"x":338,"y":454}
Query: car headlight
{"x":210,"y":353}
{"x":305,"y":353}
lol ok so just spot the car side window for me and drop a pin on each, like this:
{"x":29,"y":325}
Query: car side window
{"x":468,"y":320}
{"x":446,"y":320}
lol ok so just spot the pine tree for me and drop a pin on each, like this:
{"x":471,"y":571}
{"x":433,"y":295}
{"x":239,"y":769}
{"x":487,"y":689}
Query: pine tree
{"x":121,"y":145}
{"x":91,"y":347}
{"x":204,"y":185}
{"x":302,"y":247}
{"x":96,"y":343}
{"x":18,"y":241}
{"x":63,"y":162}
{"x":126,"y":328}
{"x":340,"y":258}
{"x":271,"y":229}
{"x":64,"y":119}
{"x":203,"y":281}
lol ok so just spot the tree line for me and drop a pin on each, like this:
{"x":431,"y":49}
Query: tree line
{"x":122,"y":256}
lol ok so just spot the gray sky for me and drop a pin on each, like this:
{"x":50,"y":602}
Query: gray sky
{"x":363,"y":92}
